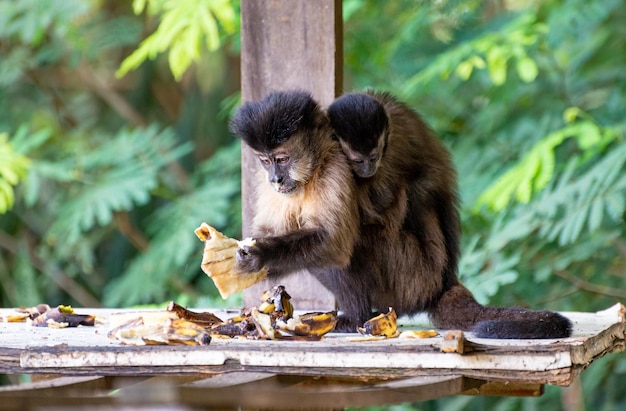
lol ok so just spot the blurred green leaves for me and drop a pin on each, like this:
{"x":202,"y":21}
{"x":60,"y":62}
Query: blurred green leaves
{"x":118,"y":175}
{"x":106,"y":179}
{"x":13,"y":168}
{"x":536,"y":169}
{"x":491,"y":50}
{"x":184,"y":28}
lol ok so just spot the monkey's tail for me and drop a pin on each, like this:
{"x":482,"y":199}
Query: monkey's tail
{"x":457,"y":309}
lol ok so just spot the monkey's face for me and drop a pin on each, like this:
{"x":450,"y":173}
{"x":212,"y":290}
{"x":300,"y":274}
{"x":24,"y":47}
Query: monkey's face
{"x":286,"y":170}
{"x":364,"y":165}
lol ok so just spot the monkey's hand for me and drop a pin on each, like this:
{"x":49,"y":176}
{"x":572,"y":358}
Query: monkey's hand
{"x":249,"y":257}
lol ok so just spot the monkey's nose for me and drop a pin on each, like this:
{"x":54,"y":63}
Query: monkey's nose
{"x":276,"y":180}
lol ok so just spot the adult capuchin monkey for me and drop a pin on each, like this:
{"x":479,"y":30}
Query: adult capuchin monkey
{"x":408,"y":250}
{"x":306,"y":215}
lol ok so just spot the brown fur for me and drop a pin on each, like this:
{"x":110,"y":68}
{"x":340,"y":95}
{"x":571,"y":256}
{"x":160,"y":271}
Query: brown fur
{"x":315,"y":225}
{"x":408,"y":251}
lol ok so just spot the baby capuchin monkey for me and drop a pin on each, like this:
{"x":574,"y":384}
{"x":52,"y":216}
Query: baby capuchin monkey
{"x":407,"y":254}
{"x":306,"y":213}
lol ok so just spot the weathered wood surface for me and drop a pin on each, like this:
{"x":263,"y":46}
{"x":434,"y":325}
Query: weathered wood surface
{"x":236,"y":390}
{"x":288,"y":44}
{"x":88,"y":351}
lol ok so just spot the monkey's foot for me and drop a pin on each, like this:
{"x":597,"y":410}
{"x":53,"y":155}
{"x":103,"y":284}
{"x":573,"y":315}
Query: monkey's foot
{"x":346,"y":324}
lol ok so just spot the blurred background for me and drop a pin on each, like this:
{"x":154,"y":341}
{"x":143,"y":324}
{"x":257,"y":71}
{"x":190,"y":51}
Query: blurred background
{"x":114,"y":147}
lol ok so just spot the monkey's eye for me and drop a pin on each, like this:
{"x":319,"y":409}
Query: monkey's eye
{"x":374,"y":158}
{"x":281,"y":159}
{"x":264,"y":160}
{"x":358,"y":161}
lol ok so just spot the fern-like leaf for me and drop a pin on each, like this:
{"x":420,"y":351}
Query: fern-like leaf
{"x":184,"y":25}
{"x":13,"y":168}
{"x":174,"y":249}
{"x":115,"y":177}
{"x":536,"y":169}
{"x":586,"y":200}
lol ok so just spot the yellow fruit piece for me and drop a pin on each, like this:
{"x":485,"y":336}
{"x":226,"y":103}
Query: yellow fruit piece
{"x":384,"y":325}
{"x":310,"y":324}
{"x":66,"y":309}
{"x":319,"y":324}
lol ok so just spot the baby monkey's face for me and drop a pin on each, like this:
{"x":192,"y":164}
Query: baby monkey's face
{"x":364,"y":165}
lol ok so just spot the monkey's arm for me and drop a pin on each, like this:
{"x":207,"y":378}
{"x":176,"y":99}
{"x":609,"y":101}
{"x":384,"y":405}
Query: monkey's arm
{"x":297,"y":250}
{"x":329,"y":223}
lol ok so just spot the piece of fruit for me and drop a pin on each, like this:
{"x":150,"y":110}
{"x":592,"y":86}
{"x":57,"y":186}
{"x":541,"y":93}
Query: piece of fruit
{"x":382,"y":325}
{"x":276,"y":301}
{"x":170,"y":332}
{"x":218,"y":261}
{"x":418,"y":334}
{"x":310,"y":324}
{"x":205,"y":319}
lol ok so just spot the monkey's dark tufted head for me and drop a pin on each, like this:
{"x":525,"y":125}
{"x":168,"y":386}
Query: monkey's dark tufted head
{"x":359,"y":120}
{"x":267,"y":123}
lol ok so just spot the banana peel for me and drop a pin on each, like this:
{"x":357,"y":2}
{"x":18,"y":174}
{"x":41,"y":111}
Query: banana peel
{"x":316,"y":324}
{"x":63,"y":316}
{"x":177,"y":332}
{"x":219,"y":259}
{"x":206,"y":319}
{"x":277,"y":301}
{"x":383,"y":325}
{"x":273,"y":319}
{"x":264,"y":324}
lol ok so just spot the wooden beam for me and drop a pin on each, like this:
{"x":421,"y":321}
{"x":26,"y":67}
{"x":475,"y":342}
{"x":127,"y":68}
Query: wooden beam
{"x":288,"y":44}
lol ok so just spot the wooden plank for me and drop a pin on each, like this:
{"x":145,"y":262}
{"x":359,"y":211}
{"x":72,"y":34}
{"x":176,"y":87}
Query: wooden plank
{"x":149,"y":357}
{"x":237,"y":390}
{"x":508,"y":388}
{"x":57,"y":385}
{"x":88,"y":351}
{"x":285,"y":392}
{"x":287,"y":44}
{"x":230,"y":379}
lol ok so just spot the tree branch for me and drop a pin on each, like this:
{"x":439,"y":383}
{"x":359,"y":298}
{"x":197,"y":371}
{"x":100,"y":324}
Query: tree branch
{"x":129,"y":231}
{"x":108,"y":94}
{"x":590,"y":287}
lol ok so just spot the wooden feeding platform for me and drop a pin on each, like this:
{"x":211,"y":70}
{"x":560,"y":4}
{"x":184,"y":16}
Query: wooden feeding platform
{"x":90,"y":368}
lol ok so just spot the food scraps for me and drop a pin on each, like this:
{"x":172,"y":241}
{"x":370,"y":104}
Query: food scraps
{"x":273,"y":319}
{"x":43,"y":315}
{"x":218,"y":261}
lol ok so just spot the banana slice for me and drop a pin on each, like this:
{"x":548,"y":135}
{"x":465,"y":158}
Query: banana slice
{"x":218,"y":261}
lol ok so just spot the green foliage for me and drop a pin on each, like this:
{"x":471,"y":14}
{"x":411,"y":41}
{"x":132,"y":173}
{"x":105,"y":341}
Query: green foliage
{"x":493,"y":50}
{"x":594,"y":198}
{"x":13,"y":167}
{"x":533,"y":172}
{"x":113,"y":175}
{"x":117,"y":175}
{"x":175,"y":247}
{"x":184,"y":27}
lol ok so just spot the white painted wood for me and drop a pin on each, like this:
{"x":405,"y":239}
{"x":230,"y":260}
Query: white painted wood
{"x":80,"y":358}
{"x":88,"y":350}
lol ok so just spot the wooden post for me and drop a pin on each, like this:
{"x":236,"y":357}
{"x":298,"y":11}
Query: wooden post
{"x":288,"y":44}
